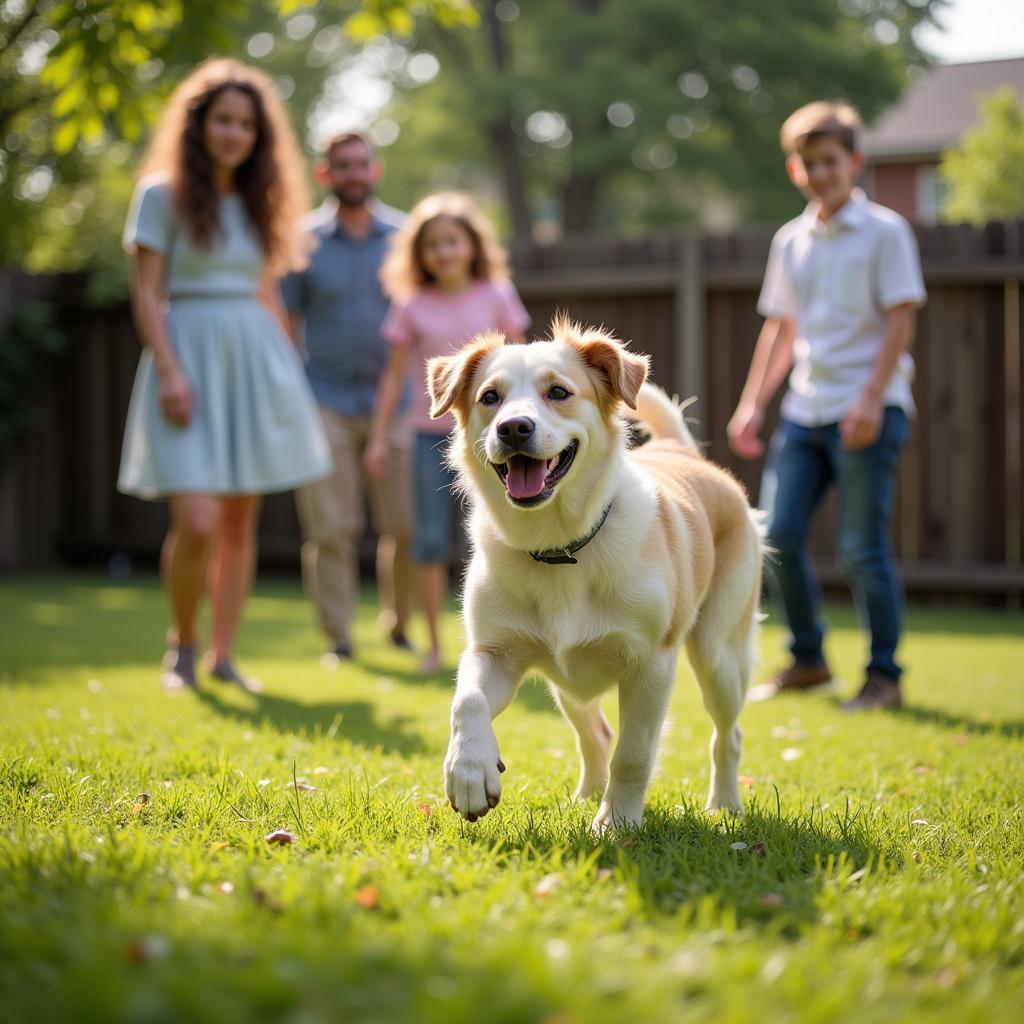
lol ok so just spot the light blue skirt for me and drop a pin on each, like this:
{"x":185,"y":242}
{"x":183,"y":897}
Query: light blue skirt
{"x":255,"y":427}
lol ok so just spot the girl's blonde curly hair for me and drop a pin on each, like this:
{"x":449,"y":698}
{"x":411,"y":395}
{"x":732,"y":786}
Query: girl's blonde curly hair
{"x":403,"y":273}
{"x":272,"y":182}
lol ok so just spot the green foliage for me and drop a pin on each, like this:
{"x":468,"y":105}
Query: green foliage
{"x":985,"y":171}
{"x":81,"y":81}
{"x":888,"y":887}
{"x":30,"y":336}
{"x":109,"y":51}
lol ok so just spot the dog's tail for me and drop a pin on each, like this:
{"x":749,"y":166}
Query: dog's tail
{"x":664,"y":415}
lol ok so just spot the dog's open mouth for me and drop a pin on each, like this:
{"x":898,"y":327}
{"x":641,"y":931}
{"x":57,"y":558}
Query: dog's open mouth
{"x":531,"y":481}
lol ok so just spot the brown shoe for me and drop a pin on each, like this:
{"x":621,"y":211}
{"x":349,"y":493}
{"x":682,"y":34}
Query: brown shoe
{"x":879,"y":691}
{"x":795,"y":678}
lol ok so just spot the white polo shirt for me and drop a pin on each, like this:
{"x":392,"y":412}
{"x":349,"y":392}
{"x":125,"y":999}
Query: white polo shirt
{"x":835,"y":281}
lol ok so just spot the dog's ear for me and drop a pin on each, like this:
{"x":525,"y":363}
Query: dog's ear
{"x":449,"y":377}
{"x":621,"y":371}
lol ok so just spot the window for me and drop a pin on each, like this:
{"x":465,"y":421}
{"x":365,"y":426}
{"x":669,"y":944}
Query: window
{"x":931,"y":194}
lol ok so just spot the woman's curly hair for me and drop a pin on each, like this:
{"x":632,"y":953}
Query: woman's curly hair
{"x":272,"y":182}
{"x":403,"y":274}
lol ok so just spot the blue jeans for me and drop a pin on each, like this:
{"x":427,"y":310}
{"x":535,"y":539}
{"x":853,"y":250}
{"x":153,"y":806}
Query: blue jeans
{"x":433,"y":499}
{"x":802,"y":463}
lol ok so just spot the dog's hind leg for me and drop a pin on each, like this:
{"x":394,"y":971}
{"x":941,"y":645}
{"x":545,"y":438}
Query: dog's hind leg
{"x":643,"y":701}
{"x":722,"y":649}
{"x":721,"y":683}
{"x":593,"y":741}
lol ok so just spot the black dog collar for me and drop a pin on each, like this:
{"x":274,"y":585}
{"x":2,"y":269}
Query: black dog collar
{"x":563,"y":556}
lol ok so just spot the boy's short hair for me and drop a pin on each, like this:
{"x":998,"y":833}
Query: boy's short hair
{"x":824,"y":118}
{"x":345,"y":139}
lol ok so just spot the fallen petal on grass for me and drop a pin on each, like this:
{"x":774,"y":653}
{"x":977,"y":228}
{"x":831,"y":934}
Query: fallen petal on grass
{"x":368,"y":897}
{"x":282,"y":837}
{"x":791,"y":753}
{"x":547,"y":885}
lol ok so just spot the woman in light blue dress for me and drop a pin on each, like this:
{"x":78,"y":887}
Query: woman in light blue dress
{"x":221,"y":412}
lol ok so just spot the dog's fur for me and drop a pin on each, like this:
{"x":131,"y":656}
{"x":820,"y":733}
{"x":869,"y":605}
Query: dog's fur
{"x":678,"y":559}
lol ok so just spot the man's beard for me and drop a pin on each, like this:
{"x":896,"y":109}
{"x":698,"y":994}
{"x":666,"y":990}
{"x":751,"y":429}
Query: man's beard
{"x":354,"y":197}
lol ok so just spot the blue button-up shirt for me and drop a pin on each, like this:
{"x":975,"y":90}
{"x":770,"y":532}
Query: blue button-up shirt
{"x":340,"y":297}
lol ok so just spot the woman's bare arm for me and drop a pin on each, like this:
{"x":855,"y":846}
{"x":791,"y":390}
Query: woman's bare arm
{"x":147,"y":295}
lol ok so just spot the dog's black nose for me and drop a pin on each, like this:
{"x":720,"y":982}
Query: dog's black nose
{"x":516,"y":429}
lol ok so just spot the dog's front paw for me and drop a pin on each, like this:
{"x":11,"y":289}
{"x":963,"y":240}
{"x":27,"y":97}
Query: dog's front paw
{"x":472,"y":775}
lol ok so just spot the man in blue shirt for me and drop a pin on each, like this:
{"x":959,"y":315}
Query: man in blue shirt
{"x":336,"y":305}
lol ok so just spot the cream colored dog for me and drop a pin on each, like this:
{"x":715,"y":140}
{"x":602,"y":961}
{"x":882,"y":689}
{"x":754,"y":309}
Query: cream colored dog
{"x":592,"y":565}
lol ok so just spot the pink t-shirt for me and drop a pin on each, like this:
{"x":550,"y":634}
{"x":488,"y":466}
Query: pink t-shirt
{"x":435,"y":323}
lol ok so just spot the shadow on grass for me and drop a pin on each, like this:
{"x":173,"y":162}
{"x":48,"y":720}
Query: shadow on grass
{"x":356,"y":721}
{"x":45,"y":627}
{"x":765,"y":868}
{"x":933,"y":716}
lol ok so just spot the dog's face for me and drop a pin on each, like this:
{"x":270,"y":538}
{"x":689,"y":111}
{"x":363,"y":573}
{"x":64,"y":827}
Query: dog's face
{"x":532,"y":419}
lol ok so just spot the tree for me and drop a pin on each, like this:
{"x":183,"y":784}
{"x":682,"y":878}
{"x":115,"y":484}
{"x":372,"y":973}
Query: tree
{"x":625,"y":113}
{"x":985,"y":170}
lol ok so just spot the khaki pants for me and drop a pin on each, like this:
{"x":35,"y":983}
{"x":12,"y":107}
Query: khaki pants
{"x":331,"y":514}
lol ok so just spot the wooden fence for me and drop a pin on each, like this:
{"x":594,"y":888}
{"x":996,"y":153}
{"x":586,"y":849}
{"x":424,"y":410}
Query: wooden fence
{"x":688,"y":300}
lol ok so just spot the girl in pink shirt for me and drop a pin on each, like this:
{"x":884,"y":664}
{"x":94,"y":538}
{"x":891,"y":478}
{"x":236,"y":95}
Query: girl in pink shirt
{"x":447,"y":278}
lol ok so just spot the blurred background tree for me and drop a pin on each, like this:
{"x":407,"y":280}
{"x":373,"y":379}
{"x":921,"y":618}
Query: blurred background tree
{"x":985,"y":172}
{"x":575,"y":115}
{"x":625,"y":115}
{"x":81,"y":82}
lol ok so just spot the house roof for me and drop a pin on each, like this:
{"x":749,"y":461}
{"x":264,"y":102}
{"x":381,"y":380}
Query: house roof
{"x":936,"y":109}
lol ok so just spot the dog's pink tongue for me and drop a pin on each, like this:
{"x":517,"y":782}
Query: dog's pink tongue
{"x":525,"y":477}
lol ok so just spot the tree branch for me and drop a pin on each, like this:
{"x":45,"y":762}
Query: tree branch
{"x":502,"y":132}
{"x":580,"y":194}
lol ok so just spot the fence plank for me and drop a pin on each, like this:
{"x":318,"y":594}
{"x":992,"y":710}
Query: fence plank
{"x":689,"y":301}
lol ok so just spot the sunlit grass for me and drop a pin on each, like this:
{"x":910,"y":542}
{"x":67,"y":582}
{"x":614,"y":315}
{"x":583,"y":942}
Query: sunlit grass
{"x":881,"y":876}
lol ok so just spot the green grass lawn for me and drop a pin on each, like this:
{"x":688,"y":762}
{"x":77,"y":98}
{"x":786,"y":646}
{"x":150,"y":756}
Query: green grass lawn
{"x":882,"y":876}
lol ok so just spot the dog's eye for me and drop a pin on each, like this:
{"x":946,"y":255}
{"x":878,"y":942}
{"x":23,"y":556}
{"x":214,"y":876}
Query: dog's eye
{"x":558,"y":393}
{"x":490,"y":397}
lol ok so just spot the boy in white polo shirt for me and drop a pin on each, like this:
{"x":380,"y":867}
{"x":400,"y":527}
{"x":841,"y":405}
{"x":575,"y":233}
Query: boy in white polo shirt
{"x":840,"y":297}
